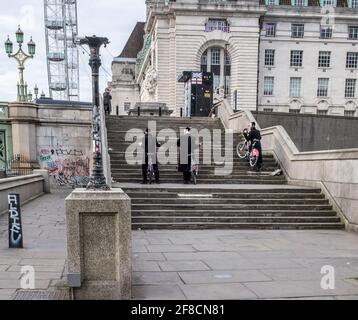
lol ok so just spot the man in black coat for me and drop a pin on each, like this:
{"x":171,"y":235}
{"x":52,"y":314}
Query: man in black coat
{"x":150,"y":145}
{"x":107,"y":103}
{"x":255,"y":137}
{"x":185,"y":144}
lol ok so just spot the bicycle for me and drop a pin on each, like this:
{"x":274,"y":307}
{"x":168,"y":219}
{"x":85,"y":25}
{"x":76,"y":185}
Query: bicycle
{"x":242,"y":149}
{"x":194,"y":169}
{"x":254,"y":155}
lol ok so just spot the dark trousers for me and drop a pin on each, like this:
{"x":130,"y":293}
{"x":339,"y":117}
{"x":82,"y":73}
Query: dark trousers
{"x":187,"y":176}
{"x":145,"y":170}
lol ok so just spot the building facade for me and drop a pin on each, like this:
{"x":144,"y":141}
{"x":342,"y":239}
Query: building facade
{"x":271,"y":55}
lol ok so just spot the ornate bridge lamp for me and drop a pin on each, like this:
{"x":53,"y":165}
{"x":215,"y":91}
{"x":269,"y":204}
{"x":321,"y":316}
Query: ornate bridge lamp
{"x":98,"y":180}
{"x":20,"y":56}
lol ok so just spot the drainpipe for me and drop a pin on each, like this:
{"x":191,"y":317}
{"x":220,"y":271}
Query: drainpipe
{"x":258,"y":63}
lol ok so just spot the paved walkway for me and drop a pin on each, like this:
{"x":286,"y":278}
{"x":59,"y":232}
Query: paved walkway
{"x":194,"y":264}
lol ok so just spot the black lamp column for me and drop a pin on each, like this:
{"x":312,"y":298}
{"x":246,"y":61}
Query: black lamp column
{"x":98,"y":180}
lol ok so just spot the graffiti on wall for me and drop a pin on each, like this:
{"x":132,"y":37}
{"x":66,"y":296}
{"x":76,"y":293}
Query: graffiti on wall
{"x":67,"y":166}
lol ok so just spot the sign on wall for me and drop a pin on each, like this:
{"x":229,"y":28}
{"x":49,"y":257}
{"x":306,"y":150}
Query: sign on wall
{"x":15,"y":224}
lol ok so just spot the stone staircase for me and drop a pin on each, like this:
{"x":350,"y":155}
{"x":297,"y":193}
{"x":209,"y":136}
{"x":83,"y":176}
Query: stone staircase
{"x":242,"y":200}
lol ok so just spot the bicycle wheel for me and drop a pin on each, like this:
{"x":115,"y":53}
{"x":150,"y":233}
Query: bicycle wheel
{"x":150,"y":174}
{"x":241,"y":150}
{"x":253,"y":160}
{"x":193,"y":174}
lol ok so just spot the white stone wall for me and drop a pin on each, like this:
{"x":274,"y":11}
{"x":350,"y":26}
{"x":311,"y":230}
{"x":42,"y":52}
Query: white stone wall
{"x":180,"y":40}
{"x":311,"y":44}
{"x":123,"y":87}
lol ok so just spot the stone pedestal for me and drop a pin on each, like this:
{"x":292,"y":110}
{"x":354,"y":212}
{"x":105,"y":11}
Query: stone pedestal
{"x":23,"y":123}
{"x":99,"y":244}
{"x":45,"y":174}
{"x":150,"y":109}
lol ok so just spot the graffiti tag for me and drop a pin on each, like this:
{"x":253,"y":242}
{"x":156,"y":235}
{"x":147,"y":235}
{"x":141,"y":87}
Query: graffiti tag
{"x":15,"y":225}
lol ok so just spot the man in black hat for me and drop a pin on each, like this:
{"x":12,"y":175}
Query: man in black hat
{"x":185,"y":155}
{"x":107,"y":103}
{"x":150,"y":145}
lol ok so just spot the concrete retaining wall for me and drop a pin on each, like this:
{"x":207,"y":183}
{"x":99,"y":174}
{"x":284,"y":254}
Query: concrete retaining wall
{"x":314,"y":132}
{"x":334,"y":171}
{"x":29,"y":187}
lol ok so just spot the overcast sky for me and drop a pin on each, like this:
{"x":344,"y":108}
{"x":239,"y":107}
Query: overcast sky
{"x":113,"y":19}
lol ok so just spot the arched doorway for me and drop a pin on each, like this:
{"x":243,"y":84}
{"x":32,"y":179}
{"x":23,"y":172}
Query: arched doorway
{"x":217,"y":61}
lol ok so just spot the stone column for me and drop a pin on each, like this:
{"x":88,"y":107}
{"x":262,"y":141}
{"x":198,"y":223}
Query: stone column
{"x":222,"y":67}
{"x":99,"y":244}
{"x":209,"y":60}
{"x":23,"y":118}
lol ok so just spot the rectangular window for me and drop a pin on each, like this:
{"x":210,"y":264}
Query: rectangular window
{"x":297,"y":30}
{"x":295,"y":111}
{"x":299,"y":3}
{"x":268,"y":110}
{"x":328,"y":3}
{"x":349,"y":113}
{"x":270,"y":29}
{"x":296,"y":58}
{"x":204,"y":59}
{"x":350,"y":91}
{"x":216,"y":81}
{"x":215,"y":56}
{"x":322,"y":90}
{"x":322,"y":112}
{"x":127,"y":106}
{"x":353,"y":32}
{"x":324,"y":59}
{"x":355,"y":4}
{"x":268,"y":86}
{"x":217,"y":24}
{"x":272,"y":2}
{"x":295,"y":87}
{"x":269,"y":57}
{"x":325,"y":32}
{"x":352,"y":60}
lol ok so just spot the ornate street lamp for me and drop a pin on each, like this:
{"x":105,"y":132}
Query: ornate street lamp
{"x":98,"y":180}
{"x":20,"y":57}
{"x":36,"y":91}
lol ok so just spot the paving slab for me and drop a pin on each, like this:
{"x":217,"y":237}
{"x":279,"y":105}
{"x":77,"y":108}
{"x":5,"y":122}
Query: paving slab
{"x":156,"y":278}
{"x":310,"y":273}
{"x":226,"y":291}
{"x":297,"y":289}
{"x":230,"y":276}
{"x":253,"y":263}
{"x":170,"y":248}
{"x":182,"y":265}
{"x":145,"y":266}
{"x":157,"y":292}
{"x":148,"y":256}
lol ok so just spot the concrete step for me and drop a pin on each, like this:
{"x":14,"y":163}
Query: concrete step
{"x":210,"y":201}
{"x":206,"y":181}
{"x":246,"y":226}
{"x":233,"y":219}
{"x":139,"y":189}
{"x":231,"y":206}
{"x":192,"y":194}
{"x":234,"y":213}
